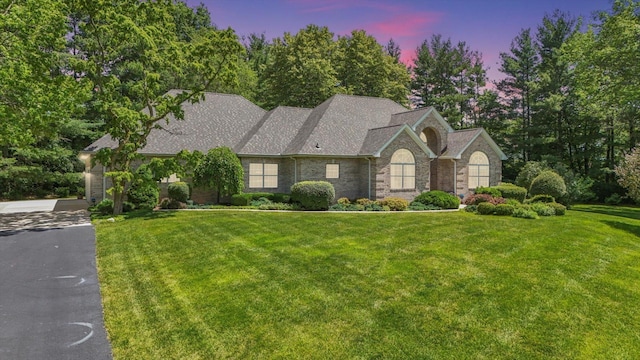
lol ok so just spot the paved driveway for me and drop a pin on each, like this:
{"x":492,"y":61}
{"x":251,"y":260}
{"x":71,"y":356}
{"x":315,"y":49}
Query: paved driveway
{"x":50,"y":304}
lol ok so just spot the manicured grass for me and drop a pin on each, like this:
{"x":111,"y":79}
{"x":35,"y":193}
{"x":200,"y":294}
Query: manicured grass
{"x":227,"y":284}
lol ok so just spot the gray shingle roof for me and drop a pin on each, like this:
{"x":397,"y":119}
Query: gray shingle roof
{"x":377,"y":137}
{"x":409,"y":117}
{"x":339,"y":126}
{"x":218,"y":120}
{"x":458,"y":141}
{"x":273,"y":133}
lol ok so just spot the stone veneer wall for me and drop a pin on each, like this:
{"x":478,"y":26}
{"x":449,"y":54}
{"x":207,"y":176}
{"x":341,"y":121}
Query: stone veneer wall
{"x":383,"y":176}
{"x":495,"y":165}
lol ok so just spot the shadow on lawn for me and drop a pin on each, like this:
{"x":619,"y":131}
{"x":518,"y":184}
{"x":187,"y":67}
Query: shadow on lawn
{"x":632,"y":229}
{"x":139,"y":214}
{"x":628,"y":212}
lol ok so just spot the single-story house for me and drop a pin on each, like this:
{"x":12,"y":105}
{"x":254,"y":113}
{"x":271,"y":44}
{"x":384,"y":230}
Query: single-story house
{"x":366,"y":147}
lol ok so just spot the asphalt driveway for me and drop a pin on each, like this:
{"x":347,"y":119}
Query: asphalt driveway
{"x":50,"y":304}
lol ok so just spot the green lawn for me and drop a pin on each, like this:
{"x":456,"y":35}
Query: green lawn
{"x":233,"y":284}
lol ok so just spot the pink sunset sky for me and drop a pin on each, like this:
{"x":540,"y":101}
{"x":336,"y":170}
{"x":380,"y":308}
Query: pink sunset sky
{"x":487,"y":26}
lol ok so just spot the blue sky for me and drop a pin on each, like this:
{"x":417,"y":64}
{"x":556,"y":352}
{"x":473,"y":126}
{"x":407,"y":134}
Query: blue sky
{"x":487,"y":26}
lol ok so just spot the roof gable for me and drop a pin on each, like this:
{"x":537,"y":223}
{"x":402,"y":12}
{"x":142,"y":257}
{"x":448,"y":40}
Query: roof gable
{"x":379,"y":139}
{"x":459,"y":141}
{"x":416,"y":117}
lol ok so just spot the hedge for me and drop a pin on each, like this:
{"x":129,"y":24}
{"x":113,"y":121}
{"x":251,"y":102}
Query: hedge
{"x":510,"y":191}
{"x":313,"y":195}
{"x":439,"y":198}
{"x":245,"y":199}
{"x":178,"y":191}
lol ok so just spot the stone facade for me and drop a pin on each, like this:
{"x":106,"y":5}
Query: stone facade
{"x":495,"y":165}
{"x":383,"y":176}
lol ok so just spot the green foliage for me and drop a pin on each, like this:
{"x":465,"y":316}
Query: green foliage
{"x":179,"y":191}
{"x":244,"y":199}
{"x":395,"y":204}
{"x":511,"y":191}
{"x":313,"y":195}
{"x":439,"y":198}
{"x":486,"y":208}
{"x":276,"y":206}
{"x":447,"y":77}
{"x":261,"y":201}
{"x":344,"y":201}
{"x":614,"y":199}
{"x":221,"y":170}
{"x":524,"y":213}
{"x":629,"y":174}
{"x":513,"y":202}
{"x":543,"y":209}
{"x":559,"y":209}
{"x":364,"y":201}
{"x":471,"y":208}
{"x":548,"y":183}
{"x":128,"y":207}
{"x":530,"y":171}
{"x":143,"y":192}
{"x":493,"y":191}
{"x":504,"y":209}
{"x":542,"y":198}
{"x":104,"y":207}
{"x":418,"y":206}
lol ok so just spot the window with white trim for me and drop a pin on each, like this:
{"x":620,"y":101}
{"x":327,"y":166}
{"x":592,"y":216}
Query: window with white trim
{"x":478,"y":170}
{"x":403,"y":170}
{"x":263,"y":176}
{"x":332,"y":171}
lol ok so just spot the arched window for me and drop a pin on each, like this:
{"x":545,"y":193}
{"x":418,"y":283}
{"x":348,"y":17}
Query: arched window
{"x":403,"y":170}
{"x":478,"y":170}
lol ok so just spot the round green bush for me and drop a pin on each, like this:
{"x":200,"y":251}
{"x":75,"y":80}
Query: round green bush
{"x":486,"y":208}
{"x":179,"y":191}
{"x":548,"y":183}
{"x":313,"y":195}
{"x":143,"y":195}
{"x":504,"y":209}
{"x":439,"y":198}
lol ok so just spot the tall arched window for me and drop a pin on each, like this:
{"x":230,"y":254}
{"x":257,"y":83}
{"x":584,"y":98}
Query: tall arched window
{"x":478,"y":170}
{"x":403,"y":170}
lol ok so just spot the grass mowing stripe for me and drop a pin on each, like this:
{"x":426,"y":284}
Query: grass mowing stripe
{"x":411,"y":285}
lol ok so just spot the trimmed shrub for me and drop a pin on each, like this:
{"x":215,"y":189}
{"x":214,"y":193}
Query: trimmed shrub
{"x":471,"y":208}
{"x":542,"y":198}
{"x":344,"y":201}
{"x":245,"y":199}
{"x":395,"y":204}
{"x":513,"y":202}
{"x":486,"y":208}
{"x":504,"y":209}
{"x":488,"y":190}
{"x":439,"y":198}
{"x":558,"y":208}
{"x":280,"y":198}
{"x":418,"y":206}
{"x":374,"y":206}
{"x":543,"y":209}
{"x":548,"y":183}
{"x":313,"y":195}
{"x":261,"y":201}
{"x":475,"y":199}
{"x":523,"y":213}
{"x":511,"y":191}
{"x":104,"y":207}
{"x":143,"y":195}
{"x":62,"y":192}
{"x":364,"y":201}
{"x":276,"y":206}
{"x":178,"y":191}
